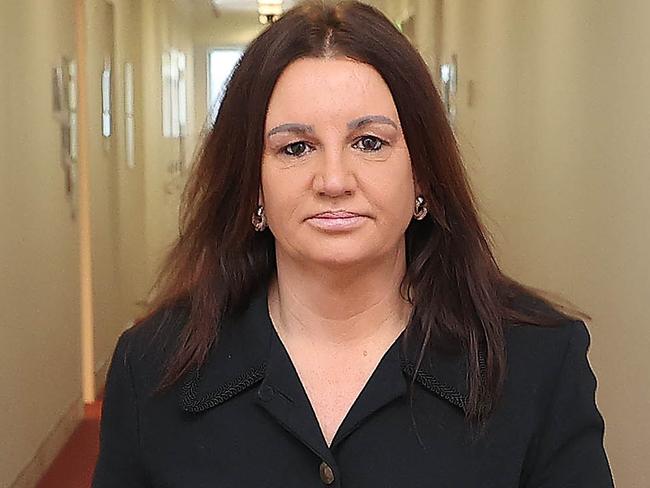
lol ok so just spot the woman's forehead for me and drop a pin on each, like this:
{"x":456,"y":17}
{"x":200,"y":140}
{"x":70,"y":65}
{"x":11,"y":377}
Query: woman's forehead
{"x":338,"y":89}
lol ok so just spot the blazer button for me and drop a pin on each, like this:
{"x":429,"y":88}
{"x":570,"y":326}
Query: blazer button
{"x":265,"y":393}
{"x":326,"y":473}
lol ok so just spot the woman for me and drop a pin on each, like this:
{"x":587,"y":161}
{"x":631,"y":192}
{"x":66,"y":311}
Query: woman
{"x":359,"y":333}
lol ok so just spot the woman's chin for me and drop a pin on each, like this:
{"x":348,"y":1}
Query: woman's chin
{"x":341,"y":258}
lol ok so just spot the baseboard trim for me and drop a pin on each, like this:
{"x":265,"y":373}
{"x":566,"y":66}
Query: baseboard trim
{"x":51,"y":446}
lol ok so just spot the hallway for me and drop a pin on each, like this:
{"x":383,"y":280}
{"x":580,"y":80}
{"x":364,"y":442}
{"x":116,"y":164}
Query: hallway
{"x":104,"y":105}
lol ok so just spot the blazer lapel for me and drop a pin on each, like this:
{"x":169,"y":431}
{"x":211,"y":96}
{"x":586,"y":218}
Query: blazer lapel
{"x":236,"y":362}
{"x":443,"y":375}
{"x":248,"y":352}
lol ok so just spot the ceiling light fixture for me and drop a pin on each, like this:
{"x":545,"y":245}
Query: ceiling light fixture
{"x":269,"y":10}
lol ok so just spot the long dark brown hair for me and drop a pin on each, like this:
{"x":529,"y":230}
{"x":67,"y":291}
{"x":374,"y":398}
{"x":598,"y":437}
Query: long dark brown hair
{"x":461,"y":299}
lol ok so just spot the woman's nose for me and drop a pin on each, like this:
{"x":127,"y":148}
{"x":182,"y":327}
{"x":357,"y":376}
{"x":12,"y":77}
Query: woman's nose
{"x":333,"y":176}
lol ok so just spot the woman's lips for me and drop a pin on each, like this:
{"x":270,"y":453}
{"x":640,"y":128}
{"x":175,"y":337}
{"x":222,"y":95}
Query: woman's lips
{"x":337,"y":221}
{"x":338,"y":214}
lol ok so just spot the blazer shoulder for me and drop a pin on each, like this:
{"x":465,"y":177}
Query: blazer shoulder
{"x":148,"y":343}
{"x":545,"y":340}
{"x":538,"y":355}
{"x":542,"y":340}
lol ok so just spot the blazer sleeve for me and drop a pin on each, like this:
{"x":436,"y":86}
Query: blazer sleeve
{"x":118,"y":463}
{"x":569,"y":450}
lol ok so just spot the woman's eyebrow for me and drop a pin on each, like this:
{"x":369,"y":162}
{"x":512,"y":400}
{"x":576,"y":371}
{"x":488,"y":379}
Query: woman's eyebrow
{"x":370,"y":119}
{"x":295,"y":128}
{"x":353,"y":124}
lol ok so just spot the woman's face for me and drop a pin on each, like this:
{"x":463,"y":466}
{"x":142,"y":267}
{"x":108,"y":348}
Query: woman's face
{"x":337,"y":184}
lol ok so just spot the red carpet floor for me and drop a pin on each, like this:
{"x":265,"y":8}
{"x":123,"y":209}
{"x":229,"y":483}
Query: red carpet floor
{"x":73,"y":467}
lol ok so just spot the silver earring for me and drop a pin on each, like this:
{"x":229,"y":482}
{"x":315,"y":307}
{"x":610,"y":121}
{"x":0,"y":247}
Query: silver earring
{"x":259,"y":219}
{"x":421,"y":209}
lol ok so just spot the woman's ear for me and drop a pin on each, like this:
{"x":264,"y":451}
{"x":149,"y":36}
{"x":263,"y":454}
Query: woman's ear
{"x":260,"y":197}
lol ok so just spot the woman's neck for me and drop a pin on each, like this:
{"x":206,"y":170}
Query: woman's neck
{"x":343,"y":308}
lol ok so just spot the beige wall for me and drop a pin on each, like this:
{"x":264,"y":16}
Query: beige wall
{"x":134,"y":210}
{"x":117,"y":200}
{"x":40,"y":358}
{"x":131,"y":198}
{"x":164,"y":27}
{"x":103,"y":164}
{"x":39,"y":270}
{"x":557,"y":144}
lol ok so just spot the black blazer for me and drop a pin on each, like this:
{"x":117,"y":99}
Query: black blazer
{"x":244,"y":419}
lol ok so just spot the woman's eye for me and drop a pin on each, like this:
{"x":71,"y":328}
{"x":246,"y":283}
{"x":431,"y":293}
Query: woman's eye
{"x":371,"y":143}
{"x":295,"y":149}
{"x":364,"y":143}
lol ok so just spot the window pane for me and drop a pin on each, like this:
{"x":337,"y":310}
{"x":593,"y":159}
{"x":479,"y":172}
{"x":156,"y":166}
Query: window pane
{"x":221,"y":62}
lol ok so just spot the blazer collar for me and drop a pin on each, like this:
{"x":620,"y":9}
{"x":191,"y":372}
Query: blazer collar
{"x":248,"y":348}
